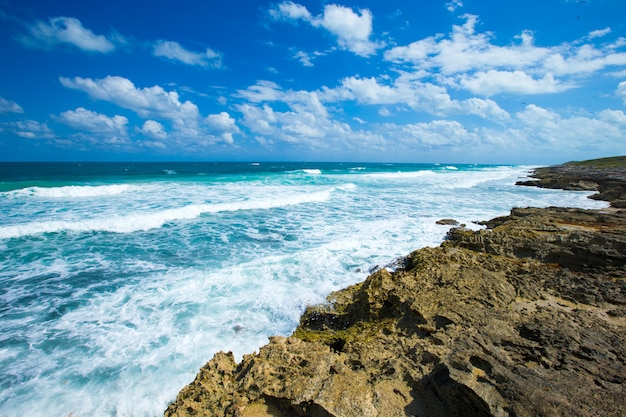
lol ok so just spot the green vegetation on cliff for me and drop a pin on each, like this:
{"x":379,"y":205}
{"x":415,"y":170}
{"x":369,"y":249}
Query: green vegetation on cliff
{"x":611,"y":162}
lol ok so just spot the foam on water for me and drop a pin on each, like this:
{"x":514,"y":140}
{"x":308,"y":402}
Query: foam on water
{"x":102,"y":324}
{"x":144,"y":221}
{"x":70,"y":191}
{"x":312,"y":171}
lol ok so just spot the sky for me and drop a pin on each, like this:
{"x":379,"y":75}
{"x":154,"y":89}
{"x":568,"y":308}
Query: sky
{"x":451,"y":81}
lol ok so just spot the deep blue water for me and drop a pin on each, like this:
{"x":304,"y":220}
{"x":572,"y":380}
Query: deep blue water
{"x":119,"y":280}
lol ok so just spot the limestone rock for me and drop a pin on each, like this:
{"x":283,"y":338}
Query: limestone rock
{"x":447,"y":222}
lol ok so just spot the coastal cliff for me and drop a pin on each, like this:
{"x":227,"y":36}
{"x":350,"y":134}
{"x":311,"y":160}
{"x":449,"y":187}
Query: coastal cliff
{"x":525,"y":318}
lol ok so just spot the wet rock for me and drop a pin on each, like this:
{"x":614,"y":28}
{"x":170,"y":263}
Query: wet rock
{"x":447,"y":222}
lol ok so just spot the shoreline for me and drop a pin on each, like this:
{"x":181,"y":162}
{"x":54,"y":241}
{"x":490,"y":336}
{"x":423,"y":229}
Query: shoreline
{"x":527,"y":317}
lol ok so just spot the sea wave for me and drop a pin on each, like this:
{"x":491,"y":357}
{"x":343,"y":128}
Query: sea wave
{"x":69,"y":191}
{"x":136,"y":222}
{"x":399,"y":175}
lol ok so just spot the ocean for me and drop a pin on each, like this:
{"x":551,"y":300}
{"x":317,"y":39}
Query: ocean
{"x":118,"y":281}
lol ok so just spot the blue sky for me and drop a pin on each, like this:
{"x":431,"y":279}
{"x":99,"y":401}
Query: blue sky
{"x":465,"y":81}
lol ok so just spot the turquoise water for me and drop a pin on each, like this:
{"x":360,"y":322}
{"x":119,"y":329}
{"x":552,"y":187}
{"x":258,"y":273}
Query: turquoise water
{"x":119,"y":281}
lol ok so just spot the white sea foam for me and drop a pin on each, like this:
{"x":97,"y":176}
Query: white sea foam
{"x":70,"y":191}
{"x":135,"y":222}
{"x":399,"y":175}
{"x":312,"y":171}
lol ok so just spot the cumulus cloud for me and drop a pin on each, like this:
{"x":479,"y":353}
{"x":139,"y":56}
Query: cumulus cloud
{"x":30,"y":129}
{"x":289,"y":10}
{"x":533,"y":132}
{"x":584,"y":60}
{"x":471,"y":60}
{"x":439,"y":133}
{"x":153,"y":129}
{"x":66,"y":30}
{"x":307,"y":122}
{"x":148,"y":102}
{"x":352,"y":29}
{"x":188,"y":129}
{"x":7,"y":106}
{"x":414,"y":93}
{"x":603,"y":132}
{"x":262,"y":91}
{"x":87,"y":120}
{"x":547,"y":127}
{"x":493,"y":82}
{"x":222,"y":125}
{"x":175,"y":52}
{"x":465,"y":50}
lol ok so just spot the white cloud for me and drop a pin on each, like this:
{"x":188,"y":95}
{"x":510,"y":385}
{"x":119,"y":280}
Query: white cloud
{"x":584,"y":60}
{"x":289,"y":10}
{"x":530,"y":135}
{"x":297,"y":127}
{"x":414,"y":93}
{"x":300,"y":120}
{"x":438,"y":133}
{"x":304,"y":58}
{"x":453,"y":5}
{"x":621,"y":91}
{"x":306,"y":122}
{"x":66,"y":30}
{"x":148,"y":102}
{"x":352,"y":29}
{"x":7,"y":106}
{"x":383,"y":111}
{"x":613,"y":116}
{"x":262,"y":91}
{"x":175,"y":52}
{"x":471,"y":60}
{"x":493,"y":82}
{"x":465,"y":50}
{"x":222,"y":125}
{"x":599,"y":33}
{"x":30,"y":129}
{"x":268,"y":91}
{"x":83,"y":119}
{"x":550,"y":129}
{"x":153,"y":129}
{"x":188,"y":130}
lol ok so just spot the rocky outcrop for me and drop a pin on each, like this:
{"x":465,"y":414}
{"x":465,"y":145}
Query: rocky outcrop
{"x":606,"y":175}
{"x":525,"y":318}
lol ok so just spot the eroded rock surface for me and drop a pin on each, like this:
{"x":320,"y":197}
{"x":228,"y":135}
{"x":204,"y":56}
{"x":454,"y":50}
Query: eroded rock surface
{"x":526,"y":318}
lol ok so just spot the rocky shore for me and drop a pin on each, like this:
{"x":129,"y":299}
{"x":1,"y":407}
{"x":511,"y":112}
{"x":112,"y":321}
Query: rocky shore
{"x":525,"y":318}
